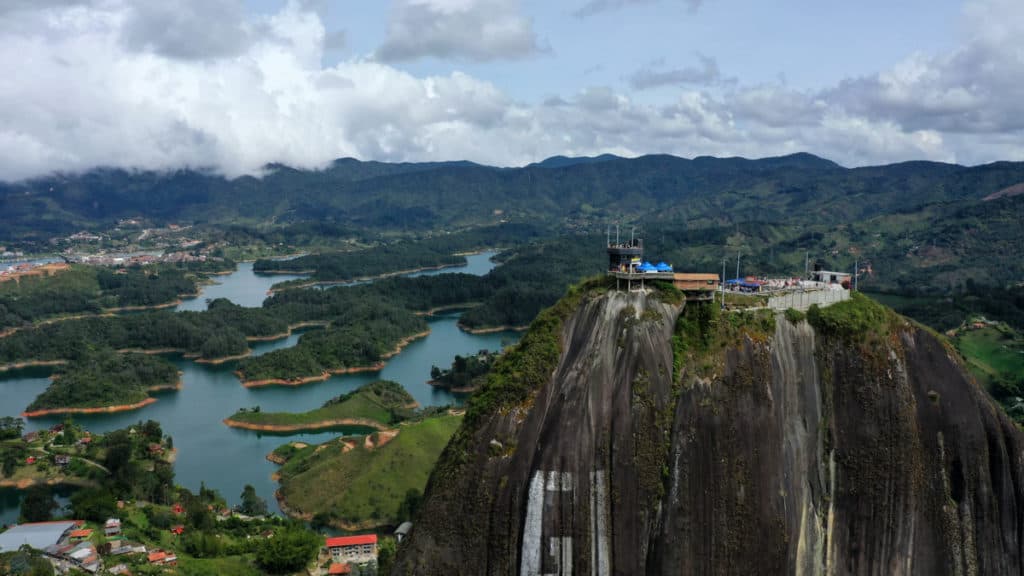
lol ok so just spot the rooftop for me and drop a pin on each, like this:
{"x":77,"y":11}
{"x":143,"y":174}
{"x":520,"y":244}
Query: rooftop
{"x":38,"y":535}
{"x":351,"y":540}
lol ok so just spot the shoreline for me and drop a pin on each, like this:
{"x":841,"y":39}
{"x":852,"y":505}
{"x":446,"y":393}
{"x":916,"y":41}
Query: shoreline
{"x":291,"y":328}
{"x":455,"y":389}
{"x":435,"y":310}
{"x":326,"y":374}
{"x":171,"y":304}
{"x":31,"y":364}
{"x":97,"y":410}
{"x":320,"y":425}
{"x":493,"y":329}
{"x":373,"y":278}
{"x":168,"y":387}
{"x":224,"y":359}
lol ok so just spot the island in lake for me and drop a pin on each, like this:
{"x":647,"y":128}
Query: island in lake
{"x":101,"y":381}
{"x":378,"y":405}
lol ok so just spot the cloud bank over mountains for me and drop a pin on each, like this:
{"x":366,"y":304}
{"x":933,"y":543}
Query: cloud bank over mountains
{"x":204,"y":83}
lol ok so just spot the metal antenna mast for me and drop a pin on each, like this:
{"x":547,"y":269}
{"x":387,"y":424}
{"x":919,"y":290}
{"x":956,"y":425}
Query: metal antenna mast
{"x":724,"y":261}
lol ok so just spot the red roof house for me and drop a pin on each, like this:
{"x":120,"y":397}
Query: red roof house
{"x":344,"y":568}
{"x":179,"y":530}
{"x":355,"y":549}
{"x":157,"y":557}
{"x":357,"y":540}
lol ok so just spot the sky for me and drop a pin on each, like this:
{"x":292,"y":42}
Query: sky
{"x":232,"y":85}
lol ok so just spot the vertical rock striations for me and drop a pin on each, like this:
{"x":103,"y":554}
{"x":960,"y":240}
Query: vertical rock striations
{"x":620,"y":438}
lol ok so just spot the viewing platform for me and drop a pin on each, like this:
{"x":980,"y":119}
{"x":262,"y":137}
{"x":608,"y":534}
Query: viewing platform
{"x":639,"y":276}
{"x":626,"y":263}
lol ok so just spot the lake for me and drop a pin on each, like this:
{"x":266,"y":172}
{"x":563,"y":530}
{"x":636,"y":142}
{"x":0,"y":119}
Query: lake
{"x":227,"y":458}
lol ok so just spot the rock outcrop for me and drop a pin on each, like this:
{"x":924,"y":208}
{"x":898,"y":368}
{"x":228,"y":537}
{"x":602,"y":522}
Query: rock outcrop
{"x":732,"y":444}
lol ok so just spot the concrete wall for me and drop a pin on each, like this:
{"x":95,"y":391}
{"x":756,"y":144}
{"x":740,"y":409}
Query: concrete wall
{"x":803,"y":300}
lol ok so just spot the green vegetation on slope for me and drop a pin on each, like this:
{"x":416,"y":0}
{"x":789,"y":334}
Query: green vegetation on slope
{"x":362,"y":486}
{"x":383,"y":402}
{"x":858,"y":318}
{"x":104,"y":378}
{"x":947,"y":311}
{"x":995,"y":356}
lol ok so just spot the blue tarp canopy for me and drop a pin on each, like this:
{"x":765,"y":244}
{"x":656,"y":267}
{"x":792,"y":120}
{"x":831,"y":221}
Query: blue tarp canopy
{"x":662,"y":267}
{"x":646,"y":267}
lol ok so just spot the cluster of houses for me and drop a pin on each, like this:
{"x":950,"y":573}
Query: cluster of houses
{"x":20,"y":270}
{"x":138,"y":259}
{"x":67,"y":545}
{"x":64,"y":542}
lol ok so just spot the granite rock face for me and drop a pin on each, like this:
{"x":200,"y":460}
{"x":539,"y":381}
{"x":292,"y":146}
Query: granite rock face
{"x":790,"y":453}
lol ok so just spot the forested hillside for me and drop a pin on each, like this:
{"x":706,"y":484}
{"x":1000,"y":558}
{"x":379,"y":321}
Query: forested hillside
{"x":799,"y":188}
{"x":914,"y":228}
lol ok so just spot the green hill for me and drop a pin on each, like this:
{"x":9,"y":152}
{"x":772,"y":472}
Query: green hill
{"x":359,"y":488}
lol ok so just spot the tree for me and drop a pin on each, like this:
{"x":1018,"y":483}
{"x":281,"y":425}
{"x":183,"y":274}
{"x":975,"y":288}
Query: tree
{"x":198,"y":515}
{"x":96,"y":504}
{"x":386,"y":555}
{"x":410,"y":505}
{"x":119,"y":452}
{"x":203,"y":545}
{"x":10,"y":463}
{"x":288,"y":551}
{"x":252,"y":504}
{"x":69,"y":435}
{"x":152,"y":432}
{"x":11,"y":427}
{"x":38,"y":504}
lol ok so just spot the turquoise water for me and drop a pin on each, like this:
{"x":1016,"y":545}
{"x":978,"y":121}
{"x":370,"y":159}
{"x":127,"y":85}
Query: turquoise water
{"x":241,"y":287}
{"x":226,"y":458}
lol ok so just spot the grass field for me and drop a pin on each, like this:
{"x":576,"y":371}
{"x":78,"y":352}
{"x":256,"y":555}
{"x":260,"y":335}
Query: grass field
{"x":378,"y":401}
{"x":992,"y":353}
{"x":366,"y":486}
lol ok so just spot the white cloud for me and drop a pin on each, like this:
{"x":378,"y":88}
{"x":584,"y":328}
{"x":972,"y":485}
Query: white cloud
{"x":84,"y":97}
{"x":706,"y":73}
{"x":975,"y":88}
{"x":478,"y":30}
{"x":592,"y":7}
{"x":187,"y":29}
